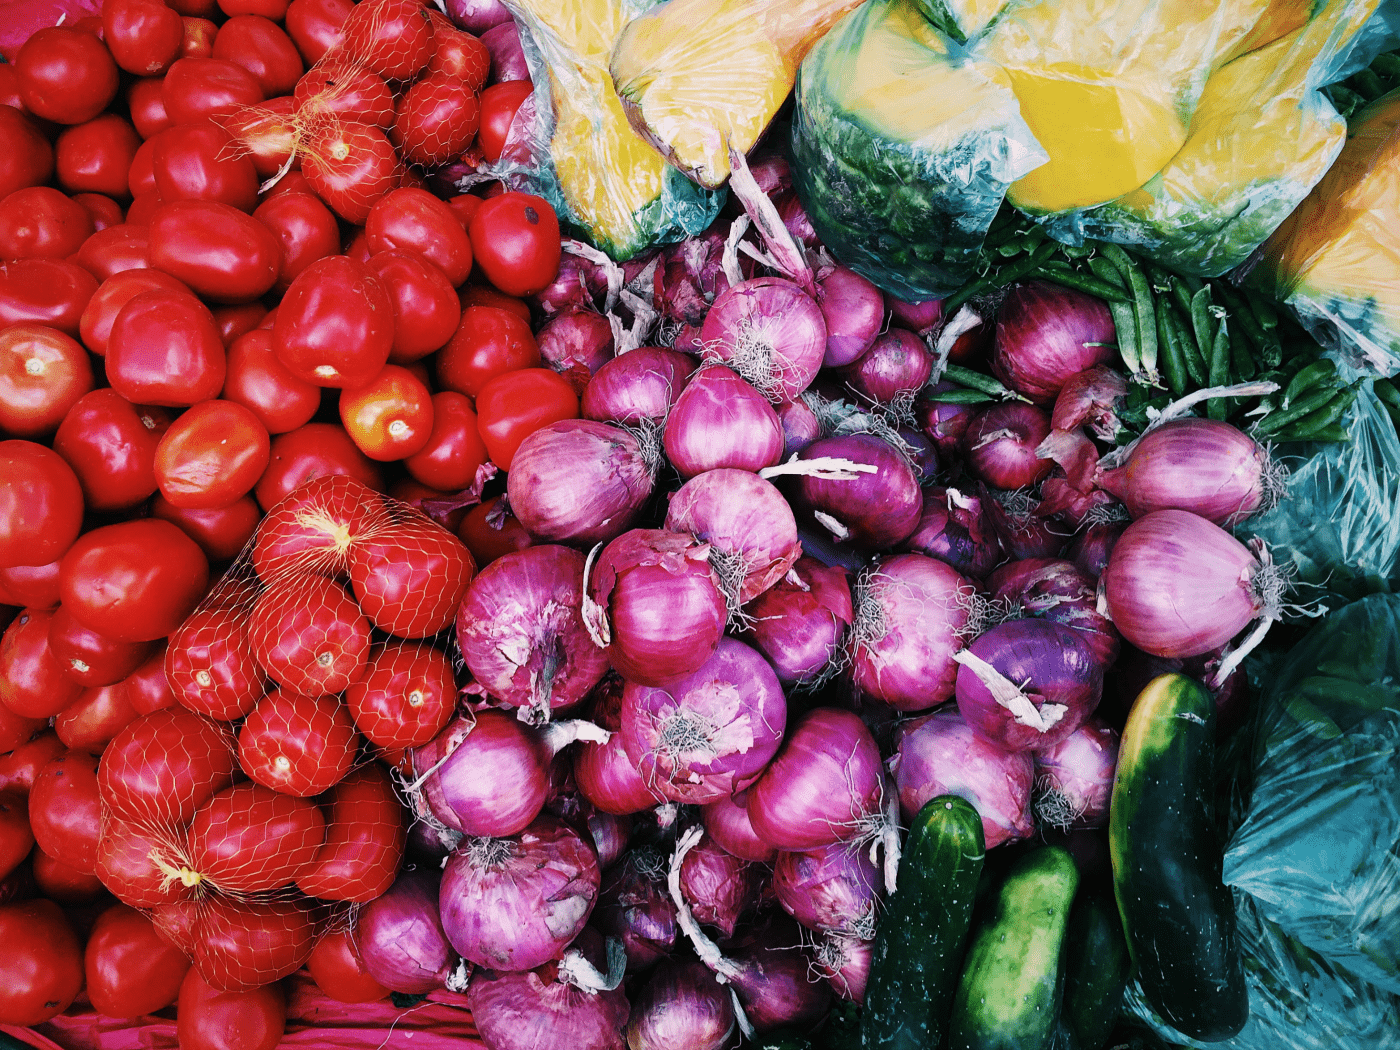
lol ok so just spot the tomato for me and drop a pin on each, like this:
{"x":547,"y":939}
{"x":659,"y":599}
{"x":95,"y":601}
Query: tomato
{"x":458,"y":54}
{"x":31,"y":586}
{"x":112,"y":294}
{"x":209,"y":1019}
{"x":436,"y":120}
{"x":268,"y":134}
{"x":63,"y":883}
{"x":202,"y":162}
{"x":410,"y":576}
{"x":364,"y":839}
{"x":454,"y":452}
{"x":144,"y":36}
{"x":308,"y":635}
{"x":15,"y":731}
{"x":221,"y":532}
{"x":335,"y":325}
{"x":349,"y":93}
{"x":147,"y":688}
{"x":95,"y":157}
{"x":111,"y":446}
{"x":464,"y":206}
{"x":118,"y":248}
{"x":104,"y":211}
{"x":90,"y":658}
{"x":304,"y":228}
{"x":213,"y":454}
{"x":415,"y":221}
{"x":244,"y":945}
{"x":164,"y":350}
{"x":41,"y":504}
{"x":143,"y":208}
{"x":141,"y":176}
{"x":315,"y":526}
{"x":134,"y":581}
{"x":406,"y":695}
{"x":488,"y":343}
{"x":261,"y":383}
{"x":165,"y":765}
{"x":297,"y":745}
{"x":390,"y":417}
{"x":42,"y":223}
{"x":64,"y":809}
{"x":65,"y":75}
{"x":100,"y":713}
{"x":261,"y":47}
{"x":32,"y":680}
{"x":210,"y":665}
{"x":513,"y":406}
{"x":499,"y":104}
{"x":314,"y":25}
{"x":350,"y":166}
{"x":198,"y":41}
{"x":479,"y":294}
{"x":425,"y":305}
{"x":198,"y":89}
{"x":392,"y":37}
{"x":130,"y":969}
{"x":515,"y":238}
{"x":313,"y":451}
{"x":134,"y":859}
{"x":238,"y":319}
{"x":42,"y":375}
{"x":41,"y":971}
{"x":146,"y":105}
{"x":22,"y":763}
{"x":223,"y":254}
{"x":26,"y":158}
{"x":249,"y":838}
{"x":340,"y":973}
{"x":16,"y":838}
{"x":46,"y":291}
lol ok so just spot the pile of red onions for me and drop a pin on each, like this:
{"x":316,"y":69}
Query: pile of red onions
{"x":770,"y":331}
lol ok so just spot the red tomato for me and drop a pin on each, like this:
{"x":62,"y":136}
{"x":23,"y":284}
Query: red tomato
{"x":454,"y":452}
{"x":15,"y":730}
{"x":144,"y":36}
{"x":364,"y":839}
{"x":426,"y":312}
{"x":392,"y":37}
{"x":64,"y":809}
{"x":338,"y":970}
{"x":513,"y":406}
{"x":42,"y":375}
{"x":260,"y":46}
{"x":42,"y":223}
{"x":46,"y":291}
{"x":198,"y":41}
{"x":16,"y":838}
{"x":31,"y":586}
{"x":464,"y":206}
{"x":390,"y":417}
{"x":406,"y":695}
{"x":116,"y":249}
{"x":26,"y":158}
{"x":21,"y":765}
{"x":134,"y":858}
{"x":223,"y":254}
{"x":164,"y":350}
{"x":480,"y":294}
{"x":147,"y":688}
{"x":313,"y":451}
{"x":42,"y":969}
{"x":41,"y":504}
{"x":488,"y":343}
{"x":111,"y":446}
{"x":458,"y":54}
{"x":112,"y":294}
{"x":202,"y":162}
{"x":90,"y":658}
{"x":165,"y":765}
{"x":499,"y":104}
{"x":273,"y":9}
{"x":261,"y":383}
{"x":436,"y":120}
{"x":297,"y":745}
{"x":241,"y":946}
{"x":95,"y":157}
{"x":213,"y":454}
{"x":32,"y":680}
{"x":130,"y":969}
{"x":197,"y":89}
{"x":315,"y":526}
{"x":267,"y":133}
{"x":90,"y":722}
{"x":143,"y":209}
{"x":305,"y":229}
{"x":348,"y":92}
{"x":63,"y":883}
{"x":134,"y":581}
{"x":141,"y":176}
{"x":210,"y":665}
{"x":208,"y":1019}
{"x":66,"y":75}
{"x":350,"y":166}
{"x":335,"y":325}
{"x":237,"y":319}
{"x":314,"y":25}
{"x":249,"y":838}
{"x":105,"y":213}
{"x":415,"y":221}
{"x":146,"y":103}
{"x":411,"y":576}
{"x":515,"y":238}
{"x":308,"y":635}
{"x":221,"y":532}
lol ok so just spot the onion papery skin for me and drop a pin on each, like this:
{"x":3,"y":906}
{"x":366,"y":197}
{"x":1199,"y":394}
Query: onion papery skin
{"x":845,"y":963}
{"x":664,"y":604}
{"x":769,"y":330}
{"x":579,"y":481}
{"x":1020,"y":531}
{"x":740,"y":514}
{"x":800,"y":625}
{"x":897,"y":364}
{"x":939,"y":754}
{"x":719,"y":420}
{"x":521,"y":630}
{"x":682,"y":1007}
{"x":876,"y":510}
{"x":1079,"y":772}
{"x":692,"y":275}
{"x":911,"y":612}
{"x":1177,"y":585}
{"x":576,"y":344}
{"x":955,"y":531}
{"x":1090,"y":549}
{"x":800,"y":426}
{"x":400,"y":936}
{"x":944,"y":424}
{"x":823,"y":786}
{"x":719,"y":887}
{"x":854,"y":310}
{"x":514,"y":904}
{"x":604,"y":773}
{"x":833,"y":888}
{"x":726,"y":821}
{"x":999,"y":445}
{"x":1054,"y":589}
{"x":1201,"y":465}
{"x":709,"y":734}
{"x":635,"y":907}
{"x":641,"y":385}
{"x":775,"y":982}
{"x":495,"y":778}
{"x":1047,"y":333}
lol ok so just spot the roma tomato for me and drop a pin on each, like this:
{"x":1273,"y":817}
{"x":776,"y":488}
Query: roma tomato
{"x":26,"y":158}
{"x":111,"y":446}
{"x":335,"y":325}
{"x":66,"y":75}
{"x":15,"y":730}
{"x":95,"y":157}
{"x":364,"y":839}
{"x":202,"y":162}
{"x":314,"y":25}
{"x":147,"y":688}
{"x":249,"y":838}
{"x":212,"y":455}
{"x":261,"y":383}
{"x":309,"y":635}
{"x":515,"y":239}
{"x":199,"y":36}
{"x":198,"y":89}
{"x":350,"y":166}
{"x":390,"y":417}
{"x":454,"y":452}
{"x":65,"y":811}
{"x":21,"y":764}
{"x":410,"y":576}
{"x":221,"y":253}
{"x":144,"y":36}
{"x":118,"y":248}
{"x":164,"y":349}
{"x":90,"y":722}
{"x":305,"y":229}
{"x":51,"y":292}
{"x":143,"y":208}
{"x":211,"y":667}
{"x":90,"y":658}
{"x":244,"y":945}
{"x":341,"y":90}
{"x":406,"y":695}
{"x":41,"y":504}
{"x":464,"y":206}
{"x":260,"y":46}
{"x":426,"y":312}
{"x":42,"y":971}
{"x":499,"y":104}
{"x":116,"y":291}
{"x":131,"y":970}
{"x":488,"y":342}
{"x":338,"y":970}
{"x":268,"y":134}
{"x":31,"y":586}
{"x":513,"y":406}
{"x":32,"y":680}
{"x":105,"y":213}
{"x":42,"y":375}
{"x":134,"y":859}
{"x":220,"y":532}
{"x":458,"y":54}
{"x":313,"y":528}
{"x":313,"y":451}
{"x":134,"y":581}
{"x":42,"y":223}
{"x":238,"y":319}
{"x":436,"y":120}
{"x":392,"y":37}
{"x":480,"y":294}
{"x":165,"y":765}
{"x":146,"y":104}
{"x":61,"y":882}
{"x":298,"y":745}
{"x":210,"y":1019}
{"x":16,"y":838}
{"x":412,"y":220}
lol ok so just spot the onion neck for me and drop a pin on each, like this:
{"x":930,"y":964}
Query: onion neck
{"x":559,"y":735}
{"x":576,"y":970}
{"x":725,"y":969}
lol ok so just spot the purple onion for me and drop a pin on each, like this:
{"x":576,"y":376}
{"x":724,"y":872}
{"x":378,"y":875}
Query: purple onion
{"x":955,"y":529}
{"x":1090,"y":549}
{"x":771,"y":332}
{"x":1021,"y":532}
{"x":795,"y":218}
{"x":490,"y":774}
{"x":719,"y":420}
{"x":922,"y":454}
{"x":875,"y":510}
{"x":682,"y":1007}
{"x":573,"y":288}
{"x":1000,"y":445}
{"x":430,"y":844}
{"x":1091,"y":399}
{"x":775,"y":983}
{"x":1074,"y":778}
{"x":939,"y":754}
{"x":711,"y":733}
{"x":719,"y":887}
{"x":635,"y":907}
{"x":576,"y":344}
{"x":1057,"y":590}
{"x":944,"y":424}
{"x":800,"y":426}
{"x":521,"y":632}
{"x":608,"y":832}
{"x":1047,"y":333}
{"x":692,"y":275}
{"x":897,"y":364}
{"x":845,"y":963}
{"x":640,"y":385}
{"x":771,"y":172}
{"x":726,"y":821}
{"x":833,"y":888}
{"x":918,"y":317}
{"x":854,"y":311}
{"x":800,"y":622}
{"x":400,"y":936}
{"x":477,"y":16}
{"x":605,"y":776}
{"x":507,"y":56}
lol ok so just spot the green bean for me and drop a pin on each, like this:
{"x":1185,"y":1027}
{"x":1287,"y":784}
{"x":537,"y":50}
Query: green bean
{"x":1244,"y":367}
{"x":1199,"y":312}
{"x":1107,"y":272}
{"x":1125,"y":324}
{"x":1386,"y":391}
{"x":1369,"y":85}
{"x":1191,"y":353}
{"x":976,"y":381}
{"x":1180,"y":293}
{"x":1280,"y":418}
{"x":1016,"y":271}
{"x":1335,"y":432}
{"x":1345,"y":99}
{"x":1193,"y":284}
{"x":1217,"y":408}
{"x":1173,"y":361}
{"x":1270,"y":350}
{"x":1264,"y":311}
{"x":1081,"y":282}
{"x":1013,"y":246}
{"x":961,"y":397}
{"x":1078,"y":251}
{"x":966,"y":292}
{"x":1143,"y":308}
{"x":1325,"y":416}
{"x":1320,"y":371}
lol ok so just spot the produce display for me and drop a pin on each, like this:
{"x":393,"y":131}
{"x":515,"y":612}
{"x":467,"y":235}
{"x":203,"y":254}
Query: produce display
{"x":698,"y":524}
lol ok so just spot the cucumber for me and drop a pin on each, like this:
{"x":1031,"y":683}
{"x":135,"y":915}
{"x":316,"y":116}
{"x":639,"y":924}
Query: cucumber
{"x":919,"y":942}
{"x":1009,"y":995}
{"x":1096,"y":970}
{"x":1178,"y":916}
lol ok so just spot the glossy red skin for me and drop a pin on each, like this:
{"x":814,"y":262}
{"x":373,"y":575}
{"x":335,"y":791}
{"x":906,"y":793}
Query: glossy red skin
{"x":392,"y":37}
{"x":195,"y":8}
{"x":94,"y":157}
{"x":197,"y":89}
{"x":141,"y":176}
{"x":314,"y":25}
{"x":414,"y":220}
{"x":268,"y":134}
{"x":261,"y":383}
{"x":16,"y":838}
{"x":437,"y":119}
{"x":313,"y":529}
{"x":66,"y":75}
{"x":248,"y":838}
{"x":242,"y":946}
{"x":164,"y":350}
{"x":464,"y":206}
{"x":390,"y":417}
{"x":41,"y":222}
{"x":147,"y":689}
{"x":499,"y":104}
{"x":43,"y":962}
{"x":15,"y":730}
{"x":30,"y":586}
{"x":478,"y":293}
{"x":22,"y":763}
{"x":46,"y":291}
{"x":297,"y":745}
{"x":90,"y":722}
{"x":42,"y":374}
{"x":111,"y":446}
{"x":260,"y":46}
{"x":220,"y":532}
{"x":26,"y":158}
{"x":105,"y":212}
{"x":90,"y":658}
{"x":201,"y":162}
{"x":9,"y":88}
{"x":144,"y":36}
{"x":212,"y":455}
{"x":309,"y":635}
{"x":458,"y":54}
{"x":335,"y":325}
{"x":454,"y":452}
{"x":350,"y":166}
{"x":41,"y":504}
{"x":338,"y":970}
{"x":131,"y":970}
{"x":339,"y":88}
{"x":165,"y":765}
{"x":305,"y":230}
{"x":32,"y":680}
{"x":63,"y":884}
{"x":238,"y":319}
{"x":488,"y":343}
{"x":406,"y":695}
{"x":64,"y":810}
{"x":426,"y":312}
{"x":312,"y":451}
{"x":515,"y":238}
{"x":364,"y":839}
{"x":210,"y":665}
{"x":146,"y":105}
{"x":208,"y":1019}
{"x":133,"y":581}
{"x":112,"y":294}
{"x":410,"y":577}
{"x":513,"y":406}
{"x":143,"y":208}
{"x":222,"y":254}
{"x":114,"y":249}
{"x":198,"y":41}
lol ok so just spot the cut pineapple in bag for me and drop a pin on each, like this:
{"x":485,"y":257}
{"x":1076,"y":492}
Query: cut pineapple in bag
{"x":697,"y":77}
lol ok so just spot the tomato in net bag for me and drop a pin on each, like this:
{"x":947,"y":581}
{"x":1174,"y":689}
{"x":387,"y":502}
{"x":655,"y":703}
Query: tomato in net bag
{"x":211,"y":666}
{"x":298,"y":745}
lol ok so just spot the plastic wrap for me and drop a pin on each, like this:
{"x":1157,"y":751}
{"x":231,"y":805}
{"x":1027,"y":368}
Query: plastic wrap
{"x":607,"y":183}
{"x":961,"y":19}
{"x":903,"y":149}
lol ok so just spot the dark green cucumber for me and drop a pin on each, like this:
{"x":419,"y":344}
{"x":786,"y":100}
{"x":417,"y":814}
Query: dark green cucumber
{"x":919,"y":942}
{"x":1178,"y":915}
{"x":1096,"y":970}
{"x":1009,"y":994}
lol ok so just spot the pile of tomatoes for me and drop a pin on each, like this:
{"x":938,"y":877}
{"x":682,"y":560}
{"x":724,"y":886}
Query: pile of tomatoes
{"x":233,"y":278}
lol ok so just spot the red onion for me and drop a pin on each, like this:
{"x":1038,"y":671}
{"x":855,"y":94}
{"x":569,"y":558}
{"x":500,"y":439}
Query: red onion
{"x":1074,"y":778}
{"x":719,"y":887}
{"x":875,"y":509}
{"x":642,"y":384}
{"x":774,"y":982}
{"x":507,"y":56}
{"x":682,"y":1007}
{"x":1055,"y":590}
{"x":692,"y":274}
{"x":942,"y":423}
{"x":516,"y":903}
{"x":485,"y":774}
{"x":573,"y":287}
{"x":897,"y":364}
{"x":912,"y":613}
{"x":521,"y":632}
{"x":771,"y":173}
{"x":795,"y":218}
{"x":1090,"y":399}
{"x":576,"y":344}
{"x":845,"y":963}
{"x":823,"y":786}
{"x":603,"y":772}
{"x":771,"y":332}
{"x":656,"y":604}
{"x":1021,"y":532}
{"x":1000,"y":445}
{"x":726,"y":821}
{"x":922,"y":454}
{"x":400,"y":936}
{"x":854,"y":310}
{"x":939,"y":754}
{"x":580,"y":481}
{"x":800,"y":622}
{"x":634,"y":907}
{"x":1047,"y":333}
{"x":918,"y":317}
{"x":955,"y":529}
{"x":429,"y":841}
{"x":800,"y":426}
{"x":709,"y":734}
{"x":608,"y":832}
{"x":477,"y":16}
{"x":719,"y":420}
{"x":833,"y":888}
{"x":1207,"y":467}
{"x":1090,"y":549}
